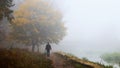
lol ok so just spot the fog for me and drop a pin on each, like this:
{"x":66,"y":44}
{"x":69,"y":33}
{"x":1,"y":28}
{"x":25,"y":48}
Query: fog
{"x":93,"y":27}
{"x":87,"y":29}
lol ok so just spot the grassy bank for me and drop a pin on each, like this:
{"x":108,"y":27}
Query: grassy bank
{"x":17,"y":58}
{"x":80,"y":63}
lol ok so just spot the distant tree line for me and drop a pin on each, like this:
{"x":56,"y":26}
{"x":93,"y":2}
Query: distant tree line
{"x":113,"y":58}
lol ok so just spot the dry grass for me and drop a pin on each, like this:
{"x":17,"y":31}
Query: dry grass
{"x":16,"y":58}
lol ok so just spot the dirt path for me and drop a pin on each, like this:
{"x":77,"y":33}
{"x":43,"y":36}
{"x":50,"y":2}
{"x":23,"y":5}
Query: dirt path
{"x":59,"y":62}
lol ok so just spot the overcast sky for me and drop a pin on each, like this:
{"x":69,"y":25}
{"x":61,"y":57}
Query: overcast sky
{"x":93,"y":25}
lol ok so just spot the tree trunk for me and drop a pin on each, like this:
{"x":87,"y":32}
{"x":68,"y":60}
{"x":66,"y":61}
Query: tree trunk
{"x":37,"y":48}
{"x":33,"y":48}
{"x":33,"y":45}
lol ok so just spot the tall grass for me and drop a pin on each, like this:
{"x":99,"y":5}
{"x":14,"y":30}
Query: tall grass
{"x":16,"y":58}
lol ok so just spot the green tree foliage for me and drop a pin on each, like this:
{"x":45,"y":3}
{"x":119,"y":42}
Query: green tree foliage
{"x":5,"y":10}
{"x":113,"y":58}
{"x":37,"y":22}
{"x":5,"y":17}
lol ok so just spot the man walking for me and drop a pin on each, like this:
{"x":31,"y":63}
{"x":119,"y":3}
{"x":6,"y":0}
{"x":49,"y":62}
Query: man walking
{"x":48,"y":48}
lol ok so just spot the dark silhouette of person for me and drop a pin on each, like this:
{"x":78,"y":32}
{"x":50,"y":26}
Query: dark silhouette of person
{"x":48,"y":48}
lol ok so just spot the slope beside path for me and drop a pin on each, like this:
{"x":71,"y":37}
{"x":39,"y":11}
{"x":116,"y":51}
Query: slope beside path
{"x":60,"y":60}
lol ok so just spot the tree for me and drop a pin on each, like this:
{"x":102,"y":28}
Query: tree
{"x":5,"y":17}
{"x":37,"y":22}
{"x":5,"y":9}
{"x":113,"y":58}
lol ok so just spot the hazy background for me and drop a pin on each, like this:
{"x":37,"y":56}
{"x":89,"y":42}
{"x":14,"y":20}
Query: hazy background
{"x":93,"y":27}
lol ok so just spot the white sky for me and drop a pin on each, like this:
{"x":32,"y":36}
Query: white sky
{"x":93,"y":25}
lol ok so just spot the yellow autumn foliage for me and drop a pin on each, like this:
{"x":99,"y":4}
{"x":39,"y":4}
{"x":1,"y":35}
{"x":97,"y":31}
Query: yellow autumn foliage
{"x":39,"y":20}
